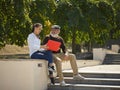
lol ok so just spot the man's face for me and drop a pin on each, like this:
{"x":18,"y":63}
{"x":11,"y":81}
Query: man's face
{"x":55,"y":31}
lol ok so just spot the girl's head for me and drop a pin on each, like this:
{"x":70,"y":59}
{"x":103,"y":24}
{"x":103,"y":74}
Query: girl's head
{"x":37,"y":27}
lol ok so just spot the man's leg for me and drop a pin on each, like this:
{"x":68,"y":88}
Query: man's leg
{"x":72,"y":59}
{"x":58,"y":64}
{"x":73,"y":63}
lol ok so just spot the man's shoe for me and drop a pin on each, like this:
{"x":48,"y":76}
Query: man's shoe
{"x":62,"y":83}
{"x":78,"y":77}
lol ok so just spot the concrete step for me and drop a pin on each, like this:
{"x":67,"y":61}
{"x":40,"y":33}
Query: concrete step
{"x":102,"y":77}
{"x":116,"y":59}
{"x":83,"y":87}
{"x":113,"y":55}
{"x":112,"y":62}
{"x":112,"y":59}
{"x":94,"y":81}
{"x":94,"y":74}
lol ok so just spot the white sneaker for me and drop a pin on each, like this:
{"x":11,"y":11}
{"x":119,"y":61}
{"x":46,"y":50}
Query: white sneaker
{"x":78,"y":77}
{"x":62,"y":83}
{"x":51,"y":69}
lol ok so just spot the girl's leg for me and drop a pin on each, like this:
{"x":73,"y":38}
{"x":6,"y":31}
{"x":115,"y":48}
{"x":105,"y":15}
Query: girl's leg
{"x":52,"y":79}
{"x":47,"y":55}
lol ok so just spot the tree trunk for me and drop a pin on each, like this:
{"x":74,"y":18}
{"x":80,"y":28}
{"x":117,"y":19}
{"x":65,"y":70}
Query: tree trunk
{"x":89,"y":47}
{"x":73,"y":43}
{"x":78,"y":48}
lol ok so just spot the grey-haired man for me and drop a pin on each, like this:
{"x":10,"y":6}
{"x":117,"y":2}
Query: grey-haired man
{"x":59,"y":56}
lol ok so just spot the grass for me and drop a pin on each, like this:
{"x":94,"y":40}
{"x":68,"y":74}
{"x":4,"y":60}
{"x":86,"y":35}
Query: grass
{"x":13,"y":51}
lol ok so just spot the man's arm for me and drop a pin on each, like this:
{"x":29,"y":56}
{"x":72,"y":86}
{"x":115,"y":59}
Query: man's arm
{"x":63,"y":47}
{"x":45,"y":40}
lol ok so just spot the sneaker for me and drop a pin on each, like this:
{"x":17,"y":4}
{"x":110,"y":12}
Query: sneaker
{"x":50,"y":84}
{"x":52,"y":69}
{"x":78,"y":77}
{"x":62,"y":83}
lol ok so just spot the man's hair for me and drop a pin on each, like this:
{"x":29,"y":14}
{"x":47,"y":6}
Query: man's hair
{"x":55,"y":27}
{"x":36,"y":25}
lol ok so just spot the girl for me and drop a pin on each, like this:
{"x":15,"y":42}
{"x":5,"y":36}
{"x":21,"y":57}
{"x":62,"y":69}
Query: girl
{"x":38,"y":51}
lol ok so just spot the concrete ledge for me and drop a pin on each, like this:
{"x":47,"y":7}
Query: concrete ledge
{"x":23,"y":74}
{"x":115,"y":48}
{"x":99,"y":54}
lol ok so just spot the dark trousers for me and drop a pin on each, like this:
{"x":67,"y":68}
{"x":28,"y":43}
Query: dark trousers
{"x":47,"y":55}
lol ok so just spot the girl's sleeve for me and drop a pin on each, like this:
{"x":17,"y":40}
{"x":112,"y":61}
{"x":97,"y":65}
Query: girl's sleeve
{"x":32,"y":43}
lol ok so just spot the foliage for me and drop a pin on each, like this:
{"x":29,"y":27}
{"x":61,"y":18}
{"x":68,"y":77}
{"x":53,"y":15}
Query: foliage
{"x":14,"y":21}
{"x":42,"y":11}
{"x":83,"y":22}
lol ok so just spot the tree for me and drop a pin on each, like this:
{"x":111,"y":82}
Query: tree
{"x":115,"y":33}
{"x":15,"y":22}
{"x":41,"y":11}
{"x":84,"y":22}
{"x":99,"y":21}
{"x":69,"y":16}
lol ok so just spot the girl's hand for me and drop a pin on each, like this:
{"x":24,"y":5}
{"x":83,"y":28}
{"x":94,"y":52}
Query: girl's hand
{"x":44,"y":47}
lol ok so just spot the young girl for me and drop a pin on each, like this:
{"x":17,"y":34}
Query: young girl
{"x":38,"y":51}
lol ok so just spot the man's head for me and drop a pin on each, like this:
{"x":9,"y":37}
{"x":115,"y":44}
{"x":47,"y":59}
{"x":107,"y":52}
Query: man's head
{"x":37,"y":27}
{"x":55,"y":30}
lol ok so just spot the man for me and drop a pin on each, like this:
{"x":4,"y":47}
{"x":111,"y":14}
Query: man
{"x":58,"y":56}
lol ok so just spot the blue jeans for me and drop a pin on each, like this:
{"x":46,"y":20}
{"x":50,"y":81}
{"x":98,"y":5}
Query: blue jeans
{"x":47,"y":55}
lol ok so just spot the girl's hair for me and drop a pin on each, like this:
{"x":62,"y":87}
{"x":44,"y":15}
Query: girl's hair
{"x":36,"y":25}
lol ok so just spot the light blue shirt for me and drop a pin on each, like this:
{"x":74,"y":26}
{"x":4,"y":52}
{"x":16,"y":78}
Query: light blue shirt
{"x":34,"y":43}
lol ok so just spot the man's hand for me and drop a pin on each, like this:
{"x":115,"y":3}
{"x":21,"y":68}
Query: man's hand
{"x":66,"y":57}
